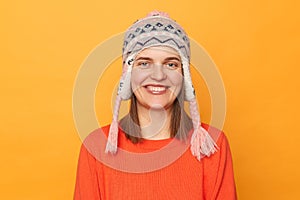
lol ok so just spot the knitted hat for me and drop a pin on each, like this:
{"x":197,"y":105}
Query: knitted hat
{"x":157,"y":29}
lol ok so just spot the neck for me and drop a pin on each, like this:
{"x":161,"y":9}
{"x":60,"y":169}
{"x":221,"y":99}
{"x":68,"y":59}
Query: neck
{"x":154,"y":122}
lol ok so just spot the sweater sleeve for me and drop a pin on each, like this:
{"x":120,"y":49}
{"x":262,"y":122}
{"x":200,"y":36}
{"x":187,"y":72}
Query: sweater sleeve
{"x":220,"y":178}
{"x":86,"y":187}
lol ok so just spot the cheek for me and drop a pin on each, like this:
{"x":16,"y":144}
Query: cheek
{"x":137,"y":79}
{"x":176,"y":79}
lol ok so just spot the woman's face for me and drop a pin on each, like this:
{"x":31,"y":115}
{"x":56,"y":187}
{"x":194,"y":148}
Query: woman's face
{"x":156,"y":77}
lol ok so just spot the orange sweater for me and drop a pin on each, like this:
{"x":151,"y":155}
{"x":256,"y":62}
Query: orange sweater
{"x":116,"y":177}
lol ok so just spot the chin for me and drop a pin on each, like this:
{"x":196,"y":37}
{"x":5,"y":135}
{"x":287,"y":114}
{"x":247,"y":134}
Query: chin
{"x":156,"y":103}
{"x":157,"y":107}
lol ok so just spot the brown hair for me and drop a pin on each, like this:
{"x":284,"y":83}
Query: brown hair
{"x":180,"y":122}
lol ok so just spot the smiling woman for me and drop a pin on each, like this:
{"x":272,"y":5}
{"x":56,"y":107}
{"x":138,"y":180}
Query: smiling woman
{"x":156,"y":78}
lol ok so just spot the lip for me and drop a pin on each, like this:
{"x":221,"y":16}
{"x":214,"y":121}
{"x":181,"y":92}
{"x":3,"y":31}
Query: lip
{"x":156,"y":89}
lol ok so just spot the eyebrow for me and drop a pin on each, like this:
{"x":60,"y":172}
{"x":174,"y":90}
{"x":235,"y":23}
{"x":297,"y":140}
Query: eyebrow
{"x":166,"y":59}
{"x":173,"y":58}
{"x":143,"y":58}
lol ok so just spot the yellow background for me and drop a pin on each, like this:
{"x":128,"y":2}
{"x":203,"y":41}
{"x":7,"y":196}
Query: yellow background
{"x":255,"y":45}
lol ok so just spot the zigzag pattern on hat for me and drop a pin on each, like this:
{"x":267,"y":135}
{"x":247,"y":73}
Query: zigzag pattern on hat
{"x":163,"y":25}
{"x":155,"y":25}
{"x":141,"y":45}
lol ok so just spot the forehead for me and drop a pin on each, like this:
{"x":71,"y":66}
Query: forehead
{"x":158,"y":52}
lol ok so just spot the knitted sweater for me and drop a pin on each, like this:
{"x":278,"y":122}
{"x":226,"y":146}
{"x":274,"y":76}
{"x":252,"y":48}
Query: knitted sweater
{"x":159,"y":175}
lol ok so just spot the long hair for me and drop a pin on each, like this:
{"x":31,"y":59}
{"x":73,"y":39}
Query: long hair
{"x":180,"y":122}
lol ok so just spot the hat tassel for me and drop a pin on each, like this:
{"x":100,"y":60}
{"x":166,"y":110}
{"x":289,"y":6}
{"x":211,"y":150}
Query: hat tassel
{"x":201,"y":141}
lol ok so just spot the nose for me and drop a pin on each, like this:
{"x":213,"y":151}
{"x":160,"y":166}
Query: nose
{"x":158,"y":73}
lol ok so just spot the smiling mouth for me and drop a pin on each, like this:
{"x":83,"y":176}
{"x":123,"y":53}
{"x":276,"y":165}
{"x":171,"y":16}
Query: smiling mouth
{"x":155,"y":89}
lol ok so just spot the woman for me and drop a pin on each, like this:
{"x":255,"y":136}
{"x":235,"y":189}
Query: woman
{"x":156,"y":151}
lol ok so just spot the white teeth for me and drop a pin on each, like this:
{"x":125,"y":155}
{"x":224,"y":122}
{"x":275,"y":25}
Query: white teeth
{"x":156,"y":89}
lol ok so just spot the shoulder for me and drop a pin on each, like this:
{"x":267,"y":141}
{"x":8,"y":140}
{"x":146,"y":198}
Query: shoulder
{"x":222,"y":157}
{"x":95,"y":141}
{"x":223,"y":152}
{"x":97,"y":133}
{"x":218,"y":168}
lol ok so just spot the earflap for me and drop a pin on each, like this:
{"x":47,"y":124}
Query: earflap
{"x":188,"y":85}
{"x":124,"y":93}
{"x":125,"y":90}
{"x":201,"y":142}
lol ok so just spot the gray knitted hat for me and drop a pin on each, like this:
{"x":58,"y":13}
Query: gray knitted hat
{"x":157,"y":29}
